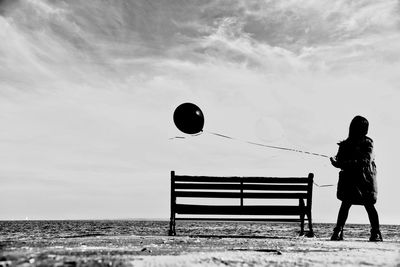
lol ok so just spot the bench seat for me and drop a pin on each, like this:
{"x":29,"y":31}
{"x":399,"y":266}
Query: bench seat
{"x":238,"y":210}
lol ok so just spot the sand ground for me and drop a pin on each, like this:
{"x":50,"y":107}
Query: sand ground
{"x":199,"y":251}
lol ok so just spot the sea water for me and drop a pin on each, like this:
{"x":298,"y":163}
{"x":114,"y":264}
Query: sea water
{"x":18,"y":231}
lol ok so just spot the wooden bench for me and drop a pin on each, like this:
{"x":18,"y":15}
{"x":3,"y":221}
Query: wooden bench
{"x":242,"y":188}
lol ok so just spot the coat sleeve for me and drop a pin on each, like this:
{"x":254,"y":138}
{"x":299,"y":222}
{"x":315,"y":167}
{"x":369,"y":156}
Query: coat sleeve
{"x":364,"y":157}
{"x":343,"y":162}
{"x":366,"y":153}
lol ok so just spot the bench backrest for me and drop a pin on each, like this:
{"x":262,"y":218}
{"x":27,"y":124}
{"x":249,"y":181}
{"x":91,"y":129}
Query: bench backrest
{"x":184,"y":186}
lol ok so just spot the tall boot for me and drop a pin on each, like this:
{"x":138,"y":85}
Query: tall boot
{"x":337,"y":234}
{"x":376,"y":235}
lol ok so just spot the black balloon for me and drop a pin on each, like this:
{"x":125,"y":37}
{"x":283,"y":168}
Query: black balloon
{"x":189,"y":118}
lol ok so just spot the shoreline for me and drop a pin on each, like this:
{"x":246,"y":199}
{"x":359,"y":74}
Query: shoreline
{"x":168,"y":220}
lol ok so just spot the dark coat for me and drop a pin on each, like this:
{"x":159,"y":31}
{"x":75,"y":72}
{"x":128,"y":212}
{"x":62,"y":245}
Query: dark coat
{"x":357,"y":178}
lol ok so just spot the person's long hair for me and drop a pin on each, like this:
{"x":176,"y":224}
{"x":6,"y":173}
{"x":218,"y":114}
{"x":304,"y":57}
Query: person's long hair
{"x":358,"y":127}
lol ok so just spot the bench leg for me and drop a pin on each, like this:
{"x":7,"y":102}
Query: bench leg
{"x":310,"y":226}
{"x":302,"y":215}
{"x":171,"y":231}
{"x":302,"y":224}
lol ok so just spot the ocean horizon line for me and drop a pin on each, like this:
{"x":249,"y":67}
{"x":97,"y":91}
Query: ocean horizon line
{"x":167,"y":220}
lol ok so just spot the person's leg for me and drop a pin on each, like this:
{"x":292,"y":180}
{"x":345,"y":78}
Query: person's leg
{"x":372,"y":215}
{"x":341,"y":220}
{"x":343,"y":214}
{"x":374,"y":221}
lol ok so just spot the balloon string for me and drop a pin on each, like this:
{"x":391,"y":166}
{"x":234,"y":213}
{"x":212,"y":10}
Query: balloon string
{"x":177,"y":137}
{"x":182,"y":137}
{"x":277,"y":147}
{"x":263,"y":145}
{"x":269,"y":146}
{"x":324,"y":185}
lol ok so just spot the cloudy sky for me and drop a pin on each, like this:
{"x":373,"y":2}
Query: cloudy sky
{"x":88,"y":89}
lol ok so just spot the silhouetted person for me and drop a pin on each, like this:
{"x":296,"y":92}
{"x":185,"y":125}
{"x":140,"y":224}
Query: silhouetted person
{"x":357,"y":177}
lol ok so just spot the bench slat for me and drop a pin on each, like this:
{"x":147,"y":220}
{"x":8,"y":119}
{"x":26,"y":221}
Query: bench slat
{"x":216,"y":179}
{"x":240,"y":195}
{"x":238,"y":210}
{"x":237,"y":186}
{"x":241,"y":219}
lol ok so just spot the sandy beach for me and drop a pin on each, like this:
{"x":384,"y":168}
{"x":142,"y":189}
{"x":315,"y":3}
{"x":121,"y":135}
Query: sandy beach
{"x":199,"y":250}
{"x":299,"y":252}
